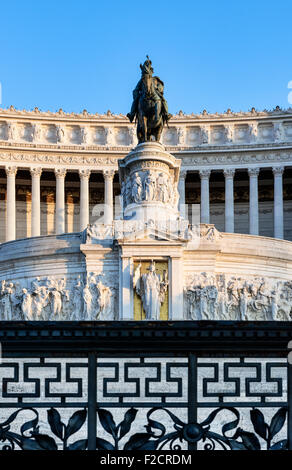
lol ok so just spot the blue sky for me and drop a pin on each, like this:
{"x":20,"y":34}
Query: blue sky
{"x":211,"y":55}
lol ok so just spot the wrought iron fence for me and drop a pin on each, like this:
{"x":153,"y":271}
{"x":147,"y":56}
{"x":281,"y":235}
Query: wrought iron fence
{"x":144,"y":385}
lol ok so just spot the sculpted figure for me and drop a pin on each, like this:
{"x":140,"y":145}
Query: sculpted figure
{"x":162,"y":188}
{"x":110,"y":136}
{"x":84,"y":135}
{"x":11,"y":131}
{"x":56,"y":303}
{"x":229,"y":133}
{"x":149,"y":105}
{"x":41,"y":299}
{"x":149,"y":187}
{"x":205,"y":135}
{"x":137,"y":188}
{"x":253,"y":129}
{"x":103,"y":301}
{"x":181,"y":135}
{"x":279,"y":133}
{"x":60,"y":134}
{"x":37,"y":133}
{"x":77,"y":302}
{"x":87,"y":297}
{"x":6,"y":292}
{"x":27,"y":305}
{"x":152,"y":289}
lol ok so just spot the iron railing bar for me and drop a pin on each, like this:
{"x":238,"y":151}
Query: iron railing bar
{"x":289,"y":391}
{"x":192,"y":394}
{"x":92,"y":392}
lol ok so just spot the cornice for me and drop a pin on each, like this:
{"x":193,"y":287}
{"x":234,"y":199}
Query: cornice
{"x":84,"y":116}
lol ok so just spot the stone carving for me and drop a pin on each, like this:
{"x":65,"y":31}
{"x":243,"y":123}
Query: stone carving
{"x":84,"y":135}
{"x":279,"y":132}
{"x":12,"y":131}
{"x":210,"y":296}
{"x":181,"y":135}
{"x":229,"y":133}
{"x":205,"y":134}
{"x":11,"y":170}
{"x":133,"y":136}
{"x":54,"y":299}
{"x":110,"y":136}
{"x":37,"y":133}
{"x":253,"y":131}
{"x":152,"y":289}
{"x":137,"y":188}
{"x":60,"y":134}
{"x":99,"y":232}
{"x":149,"y":186}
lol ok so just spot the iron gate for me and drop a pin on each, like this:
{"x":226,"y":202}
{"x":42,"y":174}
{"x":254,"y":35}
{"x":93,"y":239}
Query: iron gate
{"x":145,"y":385}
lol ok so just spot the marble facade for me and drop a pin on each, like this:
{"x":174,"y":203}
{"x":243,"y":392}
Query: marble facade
{"x":89,"y":274}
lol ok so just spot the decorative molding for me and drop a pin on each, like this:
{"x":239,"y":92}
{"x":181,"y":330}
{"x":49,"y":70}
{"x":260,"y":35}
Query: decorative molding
{"x":11,"y":170}
{"x":205,"y":173}
{"x":84,"y":173}
{"x":278,"y":170}
{"x":35,"y":171}
{"x":109,"y":173}
{"x":60,"y":172}
{"x":253,"y":171}
{"x":229,"y":172}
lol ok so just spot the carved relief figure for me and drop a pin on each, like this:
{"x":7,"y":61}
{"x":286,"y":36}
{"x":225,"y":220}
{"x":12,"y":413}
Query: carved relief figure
{"x":37,"y":133}
{"x":137,"y":188}
{"x":87,"y":297}
{"x":60,"y":134}
{"x":110,"y":136}
{"x":27,"y":305}
{"x":162,"y":188}
{"x":150,"y":186}
{"x":229,"y":133}
{"x":181,"y":135}
{"x":205,"y":135}
{"x":11,"y":131}
{"x":103,"y":302}
{"x":84,"y":135}
{"x":152,"y":289}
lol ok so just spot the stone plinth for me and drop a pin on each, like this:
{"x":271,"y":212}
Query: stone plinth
{"x":149,"y":178}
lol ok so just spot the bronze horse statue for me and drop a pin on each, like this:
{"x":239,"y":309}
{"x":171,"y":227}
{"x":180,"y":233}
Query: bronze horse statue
{"x":149,"y":105}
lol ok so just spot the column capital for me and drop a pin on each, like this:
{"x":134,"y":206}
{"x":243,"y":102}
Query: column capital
{"x":11,"y":170}
{"x":60,"y":172}
{"x":183,"y":173}
{"x":84,"y":173}
{"x":109,"y":173}
{"x":253,"y":171}
{"x":278,"y":170}
{"x":35,"y":171}
{"x":229,"y":172}
{"x":205,"y":173}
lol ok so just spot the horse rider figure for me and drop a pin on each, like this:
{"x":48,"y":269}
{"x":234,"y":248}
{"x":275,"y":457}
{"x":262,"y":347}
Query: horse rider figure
{"x":161,"y":107}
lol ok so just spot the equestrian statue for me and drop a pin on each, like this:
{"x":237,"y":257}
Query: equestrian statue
{"x":149,"y":106}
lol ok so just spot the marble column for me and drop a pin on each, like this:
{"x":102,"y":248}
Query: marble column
{"x":60,"y":200}
{"x":182,"y":192}
{"x":229,"y":200}
{"x":278,"y":202}
{"x":205,"y":204}
{"x":84,"y":198}
{"x":35,"y":201}
{"x":10,"y":203}
{"x":253,"y":201}
{"x":108,"y":195}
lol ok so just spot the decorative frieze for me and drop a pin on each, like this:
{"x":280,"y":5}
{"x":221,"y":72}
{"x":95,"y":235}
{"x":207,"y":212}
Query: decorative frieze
{"x":226,"y":297}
